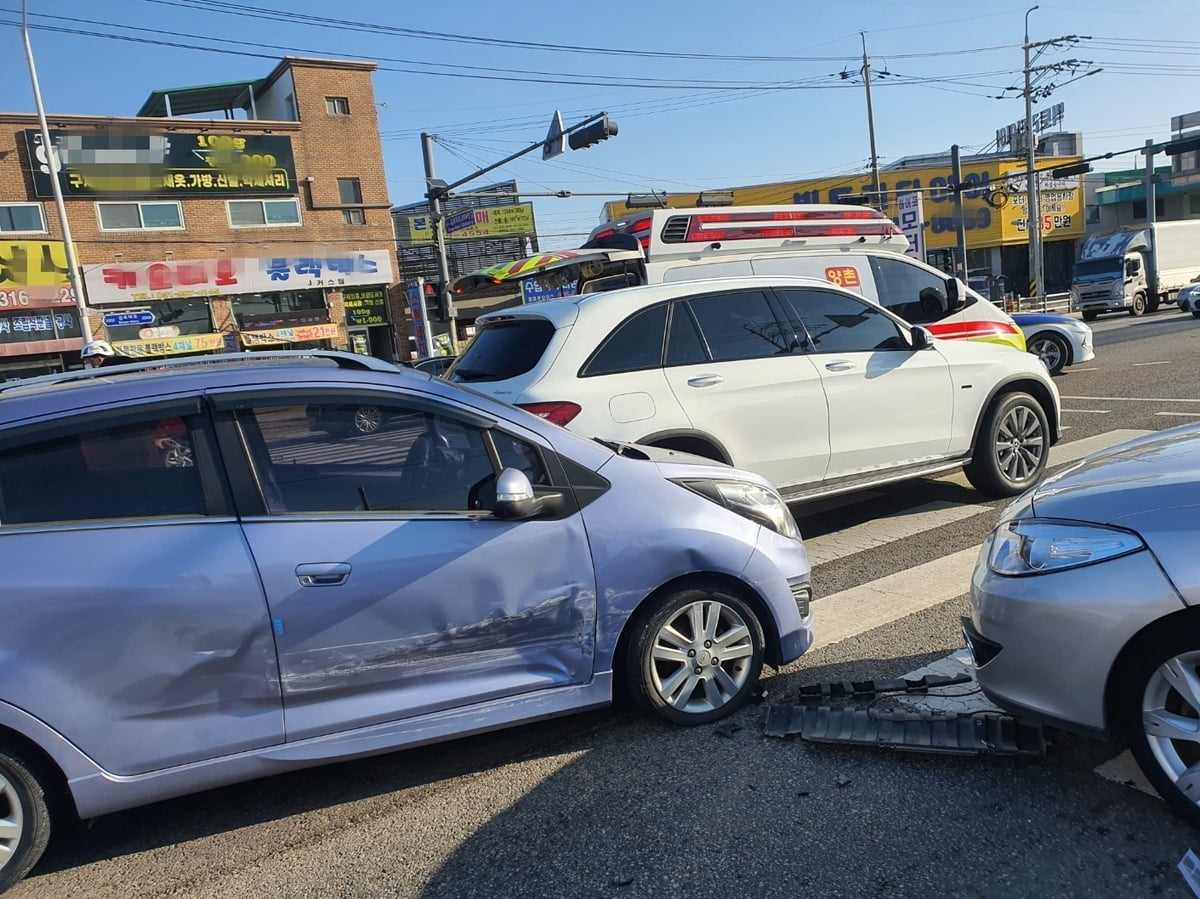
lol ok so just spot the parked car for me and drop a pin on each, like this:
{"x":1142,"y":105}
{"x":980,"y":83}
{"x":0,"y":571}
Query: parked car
{"x":1189,"y":298}
{"x":313,"y":597}
{"x":433,"y":365}
{"x":1058,"y":340}
{"x":1101,"y":558}
{"x":812,"y":386}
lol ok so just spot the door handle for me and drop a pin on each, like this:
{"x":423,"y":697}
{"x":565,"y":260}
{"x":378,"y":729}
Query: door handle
{"x":322,"y":574}
{"x":840,"y":365}
{"x":704,"y":380}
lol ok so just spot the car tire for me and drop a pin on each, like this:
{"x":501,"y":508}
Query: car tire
{"x":1090,"y":316}
{"x":24,"y":818}
{"x":367,"y":420}
{"x":671,"y":669}
{"x":1148,"y":692}
{"x":1011,"y":448}
{"x":1196,"y":314}
{"x":1139,"y":304}
{"x":1052,"y":349}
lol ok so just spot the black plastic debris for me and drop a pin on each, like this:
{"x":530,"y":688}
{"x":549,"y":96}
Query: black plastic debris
{"x":975,"y":733}
{"x":867,"y":688}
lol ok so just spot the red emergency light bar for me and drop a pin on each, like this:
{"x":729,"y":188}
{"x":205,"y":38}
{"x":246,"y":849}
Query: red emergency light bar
{"x":798,"y":215}
{"x":697,"y":233}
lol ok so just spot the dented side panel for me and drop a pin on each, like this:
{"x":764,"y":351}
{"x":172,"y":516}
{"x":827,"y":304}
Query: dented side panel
{"x":154,"y":651}
{"x":434,"y":613}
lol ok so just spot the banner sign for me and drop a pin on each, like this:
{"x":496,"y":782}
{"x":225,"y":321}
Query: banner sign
{"x":116,"y":162}
{"x":139,"y":282}
{"x":365,"y":307}
{"x":420,"y":317}
{"x":23,"y":327}
{"x":171,"y":346}
{"x":494,"y":221}
{"x":290,"y":335}
{"x":910,"y":216}
{"x":533,"y":292}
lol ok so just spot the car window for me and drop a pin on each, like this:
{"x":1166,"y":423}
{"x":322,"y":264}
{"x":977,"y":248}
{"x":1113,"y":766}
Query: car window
{"x":916,"y":295}
{"x":840,"y":324}
{"x":740,"y":325}
{"x":143,"y":469}
{"x":684,"y":346}
{"x":634,"y":345}
{"x":503,"y":350}
{"x":365,"y":456}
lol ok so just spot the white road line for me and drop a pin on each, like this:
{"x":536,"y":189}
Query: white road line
{"x":1092,"y":411}
{"x":1181,"y":414}
{"x":1124,"y":770}
{"x":860,"y":609}
{"x":1133,"y":399}
{"x":1073,"y":368}
{"x":881,"y":531}
{"x":1161,"y":362}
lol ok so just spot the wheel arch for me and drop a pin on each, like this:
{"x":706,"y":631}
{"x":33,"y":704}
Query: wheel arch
{"x":687,"y":441}
{"x":1034,"y":388}
{"x":771,"y":653}
{"x":1155,"y":630}
{"x":49,"y":774}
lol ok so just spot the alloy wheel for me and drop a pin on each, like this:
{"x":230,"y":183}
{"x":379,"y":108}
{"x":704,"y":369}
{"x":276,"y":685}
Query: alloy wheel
{"x":367,"y":419}
{"x":1020,"y":443}
{"x":1050,"y":351}
{"x":12,"y":821}
{"x":1171,"y":720}
{"x":701,"y":657}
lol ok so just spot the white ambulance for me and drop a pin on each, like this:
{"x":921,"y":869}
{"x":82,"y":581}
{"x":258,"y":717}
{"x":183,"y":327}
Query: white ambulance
{"x":852,"y":246}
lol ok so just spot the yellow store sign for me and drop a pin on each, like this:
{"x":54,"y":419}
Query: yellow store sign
{"x":495,"y":221}
{"x":169,"y":346}
{"x":985,"y":225}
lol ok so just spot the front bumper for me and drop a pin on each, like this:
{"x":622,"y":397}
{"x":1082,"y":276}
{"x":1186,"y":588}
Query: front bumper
{"x":1045,"y":644}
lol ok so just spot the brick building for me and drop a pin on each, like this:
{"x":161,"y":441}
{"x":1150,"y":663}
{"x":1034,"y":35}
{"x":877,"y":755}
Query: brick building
{"x":200,"y":234}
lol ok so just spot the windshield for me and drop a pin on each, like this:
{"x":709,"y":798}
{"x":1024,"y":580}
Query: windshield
{"x":1093,"y":267}
{"x":503,"y":350}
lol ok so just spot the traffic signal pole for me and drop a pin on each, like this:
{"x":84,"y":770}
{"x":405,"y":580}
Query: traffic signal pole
{"x":583,"y":134}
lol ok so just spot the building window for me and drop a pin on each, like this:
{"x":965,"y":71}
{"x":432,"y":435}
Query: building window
{"x":263,"y":213}
{"x":354,"y":216}
{"x":349,"y":190}
{"x":337,"y":106}
{"x":139,"y":216}
{"x":22,"y":217}
{"x":284,"y":309}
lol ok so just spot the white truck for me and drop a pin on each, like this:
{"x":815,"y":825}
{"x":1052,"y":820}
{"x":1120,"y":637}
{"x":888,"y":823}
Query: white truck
{"x":1135,"y":269}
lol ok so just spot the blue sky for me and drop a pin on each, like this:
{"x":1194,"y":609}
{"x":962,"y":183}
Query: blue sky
{"x":728,"y":93}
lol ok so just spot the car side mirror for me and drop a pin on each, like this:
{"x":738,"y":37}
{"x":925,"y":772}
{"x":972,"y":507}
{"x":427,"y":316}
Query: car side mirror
{"x":514,"y":496}
{"x":956,"y":297}
{"x":920,"y":338}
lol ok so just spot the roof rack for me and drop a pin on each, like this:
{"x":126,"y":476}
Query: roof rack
{"x":352,"y":361}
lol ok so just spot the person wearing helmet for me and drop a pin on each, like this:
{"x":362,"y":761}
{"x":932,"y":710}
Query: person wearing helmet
{"x":98,"y":353}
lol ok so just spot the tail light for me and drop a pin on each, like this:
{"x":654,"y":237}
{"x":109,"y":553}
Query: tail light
{"x":556,"y":413}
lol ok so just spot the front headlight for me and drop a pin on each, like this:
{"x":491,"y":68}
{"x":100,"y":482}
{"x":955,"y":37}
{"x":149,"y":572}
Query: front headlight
{"x":759,"y":504}
{"x":1041,"y":545}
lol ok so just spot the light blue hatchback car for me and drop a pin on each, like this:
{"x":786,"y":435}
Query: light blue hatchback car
{"x":207,"y":580}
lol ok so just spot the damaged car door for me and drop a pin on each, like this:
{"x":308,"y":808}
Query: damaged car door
{"x":393,"y":590}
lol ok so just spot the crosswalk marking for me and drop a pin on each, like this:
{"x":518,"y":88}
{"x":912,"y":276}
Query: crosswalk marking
{"x":1134,"y":399}
{"x":889,"y":528}
{"x":1093,"y":411}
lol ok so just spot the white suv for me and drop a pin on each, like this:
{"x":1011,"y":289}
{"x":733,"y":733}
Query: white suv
{"x":810,"y":385}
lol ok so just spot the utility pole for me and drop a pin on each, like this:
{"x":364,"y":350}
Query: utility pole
{"x":959,"y":223}
{"x":1151,"y":218}
{"x":871,"y":125}
{"x":52,"y":164}
{"x":446,"y":299}
{"x":1033,"y":212}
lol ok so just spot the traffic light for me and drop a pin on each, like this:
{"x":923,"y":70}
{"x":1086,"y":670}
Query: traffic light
{"x":1065,"y":171}
{"x":435,"y":300}
{"x":602,"y":129}
{"x":1184,"y":145}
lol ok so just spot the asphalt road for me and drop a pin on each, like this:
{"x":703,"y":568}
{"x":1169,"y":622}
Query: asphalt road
{"x":610,"y":804}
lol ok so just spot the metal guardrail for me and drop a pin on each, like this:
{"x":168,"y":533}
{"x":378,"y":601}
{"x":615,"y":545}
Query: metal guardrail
{"x":1054,"y":302}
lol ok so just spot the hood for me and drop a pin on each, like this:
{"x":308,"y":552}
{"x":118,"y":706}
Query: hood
{"x":1159,"y":471}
